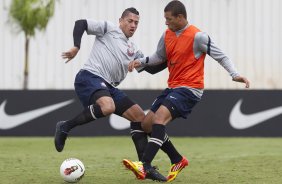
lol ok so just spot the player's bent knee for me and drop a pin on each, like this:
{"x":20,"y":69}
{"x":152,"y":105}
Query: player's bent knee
{"x":108,"y":109}
{"x":161,"y":118}
{"x":107,"y":105}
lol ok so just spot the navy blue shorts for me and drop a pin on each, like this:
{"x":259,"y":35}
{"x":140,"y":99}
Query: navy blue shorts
{"x":86,"y":84}
{"x":180,"y":101}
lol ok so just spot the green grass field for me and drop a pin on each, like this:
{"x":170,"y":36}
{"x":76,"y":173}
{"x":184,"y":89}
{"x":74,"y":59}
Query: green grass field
{"x":212,"y":160}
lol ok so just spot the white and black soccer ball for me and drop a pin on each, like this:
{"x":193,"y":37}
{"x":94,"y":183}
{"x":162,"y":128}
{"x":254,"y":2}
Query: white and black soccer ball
{"x":72,"y":170}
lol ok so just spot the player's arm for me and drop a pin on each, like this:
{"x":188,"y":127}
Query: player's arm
{"x":156,"y":64}
{"x":78,"y":30}
{"x":150,"y":69}
{"x":151,"y":64}
{"x":92,"y":27}
{"x":204,"y":44}
{"x":155,"y":68}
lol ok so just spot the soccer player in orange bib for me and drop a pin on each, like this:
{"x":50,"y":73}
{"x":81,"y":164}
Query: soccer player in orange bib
{"x":182,"y":49}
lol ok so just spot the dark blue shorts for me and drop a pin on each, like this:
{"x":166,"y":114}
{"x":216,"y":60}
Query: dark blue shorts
{"x":180,"y":102}
{"x":86,"y":84}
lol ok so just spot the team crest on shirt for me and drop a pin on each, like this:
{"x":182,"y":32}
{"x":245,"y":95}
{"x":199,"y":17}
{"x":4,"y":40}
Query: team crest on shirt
{"x":130,"y":50}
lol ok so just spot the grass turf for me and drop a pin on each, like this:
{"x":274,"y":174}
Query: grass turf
{"x":212,"y":160}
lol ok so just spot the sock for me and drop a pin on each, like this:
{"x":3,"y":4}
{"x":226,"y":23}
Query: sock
{"x":154,"y":144}
{"x":89,"y":114}
{"x":139,"y":138}
{"x":170,"y":150}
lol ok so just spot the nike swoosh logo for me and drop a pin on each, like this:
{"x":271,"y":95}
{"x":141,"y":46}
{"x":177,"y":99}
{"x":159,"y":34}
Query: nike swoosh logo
{"x":238,"y":120}
{"x":11,"y":121}
{"x":172,"y":97}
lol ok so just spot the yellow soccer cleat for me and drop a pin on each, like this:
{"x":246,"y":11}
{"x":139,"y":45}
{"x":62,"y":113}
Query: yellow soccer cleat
{"x":136,"y":167}
{"x":141,"y":174}
{"x":176,"y":168}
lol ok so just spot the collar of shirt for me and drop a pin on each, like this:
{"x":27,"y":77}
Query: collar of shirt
{"x":181,"y":30}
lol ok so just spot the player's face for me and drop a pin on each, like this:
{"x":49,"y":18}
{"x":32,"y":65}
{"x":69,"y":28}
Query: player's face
{"x":173,"y":23}
{"x":129,"y":24}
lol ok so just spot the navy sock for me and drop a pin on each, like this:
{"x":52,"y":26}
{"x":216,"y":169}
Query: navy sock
{"x":89,"y":114}
{"x":170,"y":150}
{"x":154,"y":143}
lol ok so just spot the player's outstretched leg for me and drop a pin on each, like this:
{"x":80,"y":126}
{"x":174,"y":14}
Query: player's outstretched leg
{"x":60,"y":136}
{"x":176,"y":168}
{"x":138,"y":169}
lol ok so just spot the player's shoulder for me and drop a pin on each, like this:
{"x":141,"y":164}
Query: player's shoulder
{"x":201,"y":34}
{"x":110,"y":24}
{"x":201,"y":37}
{"x":102,"y":23}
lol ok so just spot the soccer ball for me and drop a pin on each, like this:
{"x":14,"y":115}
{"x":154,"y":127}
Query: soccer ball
{"x":72,"y":170}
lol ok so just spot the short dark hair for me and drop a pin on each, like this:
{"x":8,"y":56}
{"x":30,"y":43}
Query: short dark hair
{"x":129,"y":10}
{"x":176,"y":8}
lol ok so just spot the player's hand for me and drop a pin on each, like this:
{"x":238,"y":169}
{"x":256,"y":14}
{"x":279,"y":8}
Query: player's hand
{"x":133,"y":64}
{"x":70,"y":54}
{"x":243,"y":80}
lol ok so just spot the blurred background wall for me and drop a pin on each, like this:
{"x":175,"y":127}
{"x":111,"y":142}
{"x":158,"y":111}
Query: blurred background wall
{"x":248,"y":31}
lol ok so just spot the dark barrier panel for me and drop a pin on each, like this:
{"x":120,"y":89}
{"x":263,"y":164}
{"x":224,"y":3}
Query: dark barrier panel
{"x":220,"y":113}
